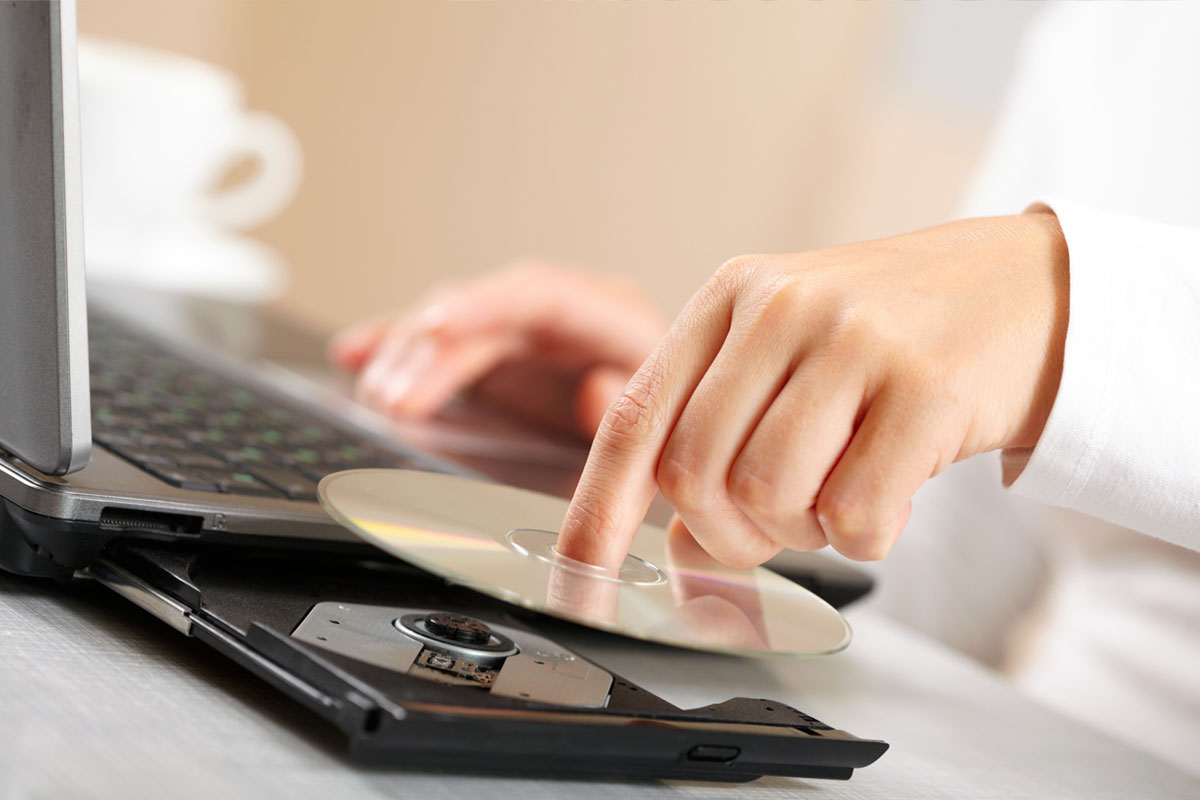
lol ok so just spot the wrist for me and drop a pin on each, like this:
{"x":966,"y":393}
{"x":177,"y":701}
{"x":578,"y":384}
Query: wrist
{"x":1045,"y":251}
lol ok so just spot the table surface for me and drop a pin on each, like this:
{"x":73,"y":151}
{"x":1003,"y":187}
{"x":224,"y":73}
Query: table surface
{"x":100,"y":699}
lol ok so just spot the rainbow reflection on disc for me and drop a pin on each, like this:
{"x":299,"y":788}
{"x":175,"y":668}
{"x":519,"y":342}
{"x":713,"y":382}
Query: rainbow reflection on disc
{"x":499,"y":540}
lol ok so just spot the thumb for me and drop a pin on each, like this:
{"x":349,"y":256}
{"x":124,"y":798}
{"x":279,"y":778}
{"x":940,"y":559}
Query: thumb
{"x":678,"y":528}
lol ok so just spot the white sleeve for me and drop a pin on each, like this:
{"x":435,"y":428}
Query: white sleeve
{"x":1123,"y":439}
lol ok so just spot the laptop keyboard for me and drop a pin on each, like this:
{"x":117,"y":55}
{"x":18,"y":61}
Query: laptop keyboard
{"x":194,"y":429}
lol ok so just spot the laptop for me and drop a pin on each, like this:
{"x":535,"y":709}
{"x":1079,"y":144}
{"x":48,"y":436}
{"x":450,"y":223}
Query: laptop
{"x":185,"y":480}
{"x":109,"y":428}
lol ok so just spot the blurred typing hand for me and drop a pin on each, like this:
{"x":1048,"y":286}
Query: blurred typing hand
{"x":549,"y":342}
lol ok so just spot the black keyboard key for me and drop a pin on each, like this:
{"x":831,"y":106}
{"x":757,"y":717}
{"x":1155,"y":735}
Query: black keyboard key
{"x":200,"y":382}
{"x":250,"y":456}
{"x":143,"y":457}
{"x":106,"y":382}
{"x":229,"y":420}
{"x":279,"y":455}
{"x":176,"y":418}
{"x":133,"y":401}
{"x":110,"y":419}
{"x":159,"y":441}
{"x":240,"y":483}
{"x":269,"y":438}
{"x":242,"y":399}
{"x":129,"y":450}
{"x":185,"y":478}
{"x":281,"y":417}
{"x":118,"y":438}
{"x":312,"y":435}
{"x":347,"y":454}
{"x":212,"y":437}
{"x":294,"y":485}
{"x":194,"y":458}
{"x":301,"y":457}
{"x":359,"y":457}
{"x":315,"y":472}
{"x":193,"y":401}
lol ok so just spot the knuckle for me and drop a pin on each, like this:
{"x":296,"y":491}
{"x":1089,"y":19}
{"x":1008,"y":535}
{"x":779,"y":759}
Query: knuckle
{"x":636,"y":412}
{"x":733,"y":267}
{"x":736,"y":272}
{"x":805,"y":533}
{"x":773,"y":310}
{"x":844,"y":515}
{"x":856,"y":528}
{"x":855,"y":330}
{"x":782,"y":514}
{"x":760,"y":497}
{"x":684,"y":485}
{"x":735,"y":552}
{"x":599,"y":515}
{"x":631,"y":415}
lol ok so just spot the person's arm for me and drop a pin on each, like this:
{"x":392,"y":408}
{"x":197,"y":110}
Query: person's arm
{"x":1122,"y":441}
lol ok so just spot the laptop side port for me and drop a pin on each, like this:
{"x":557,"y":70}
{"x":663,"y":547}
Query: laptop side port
{"x":722,"y":754}
{"x":136,"y":520}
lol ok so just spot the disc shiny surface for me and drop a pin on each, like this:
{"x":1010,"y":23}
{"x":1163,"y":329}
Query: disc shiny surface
{"x":499,"y":540}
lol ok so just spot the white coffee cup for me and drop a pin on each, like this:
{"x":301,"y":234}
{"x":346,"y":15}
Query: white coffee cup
{"x":158,"y":131}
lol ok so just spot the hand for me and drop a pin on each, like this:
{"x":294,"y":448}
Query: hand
{"x":551,"y":343}
{"x":800,"y":400}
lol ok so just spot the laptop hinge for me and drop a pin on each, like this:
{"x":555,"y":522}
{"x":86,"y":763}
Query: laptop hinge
{"x":142,"y":594}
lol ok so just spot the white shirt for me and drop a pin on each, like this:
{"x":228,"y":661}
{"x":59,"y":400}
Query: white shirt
{"x":1102,"y":124}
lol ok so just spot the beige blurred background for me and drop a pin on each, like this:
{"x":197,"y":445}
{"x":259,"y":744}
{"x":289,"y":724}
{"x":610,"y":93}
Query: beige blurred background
{"x":658,"y":139}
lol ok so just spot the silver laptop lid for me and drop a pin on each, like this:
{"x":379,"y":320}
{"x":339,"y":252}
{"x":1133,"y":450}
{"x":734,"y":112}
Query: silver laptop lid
{"x":44,"y":408}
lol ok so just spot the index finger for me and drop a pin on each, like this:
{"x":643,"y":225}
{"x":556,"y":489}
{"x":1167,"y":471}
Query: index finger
{"x":618,"y":484}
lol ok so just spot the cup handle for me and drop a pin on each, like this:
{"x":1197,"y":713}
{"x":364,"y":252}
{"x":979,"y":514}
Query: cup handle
{"x":269,"y":142}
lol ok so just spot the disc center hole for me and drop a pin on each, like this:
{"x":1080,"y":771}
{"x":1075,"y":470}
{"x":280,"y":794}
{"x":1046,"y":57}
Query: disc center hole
{"x":540,"y":545}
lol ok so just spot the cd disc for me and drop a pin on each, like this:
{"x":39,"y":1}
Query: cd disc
{"x":499,"y":540}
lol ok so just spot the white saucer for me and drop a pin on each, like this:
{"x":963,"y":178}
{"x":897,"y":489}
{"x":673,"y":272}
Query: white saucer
{"x":192,"y":258}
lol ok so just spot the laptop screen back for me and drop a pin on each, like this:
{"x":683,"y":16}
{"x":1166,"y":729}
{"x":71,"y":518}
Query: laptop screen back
{"x":44,"y":408}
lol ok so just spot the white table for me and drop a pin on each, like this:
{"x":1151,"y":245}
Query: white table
{"x":99,"y":699}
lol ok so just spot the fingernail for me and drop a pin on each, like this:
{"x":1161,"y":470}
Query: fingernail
{"x":409,"y":372}
{"x":433,"y":317}
{"x":366,"y":388}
